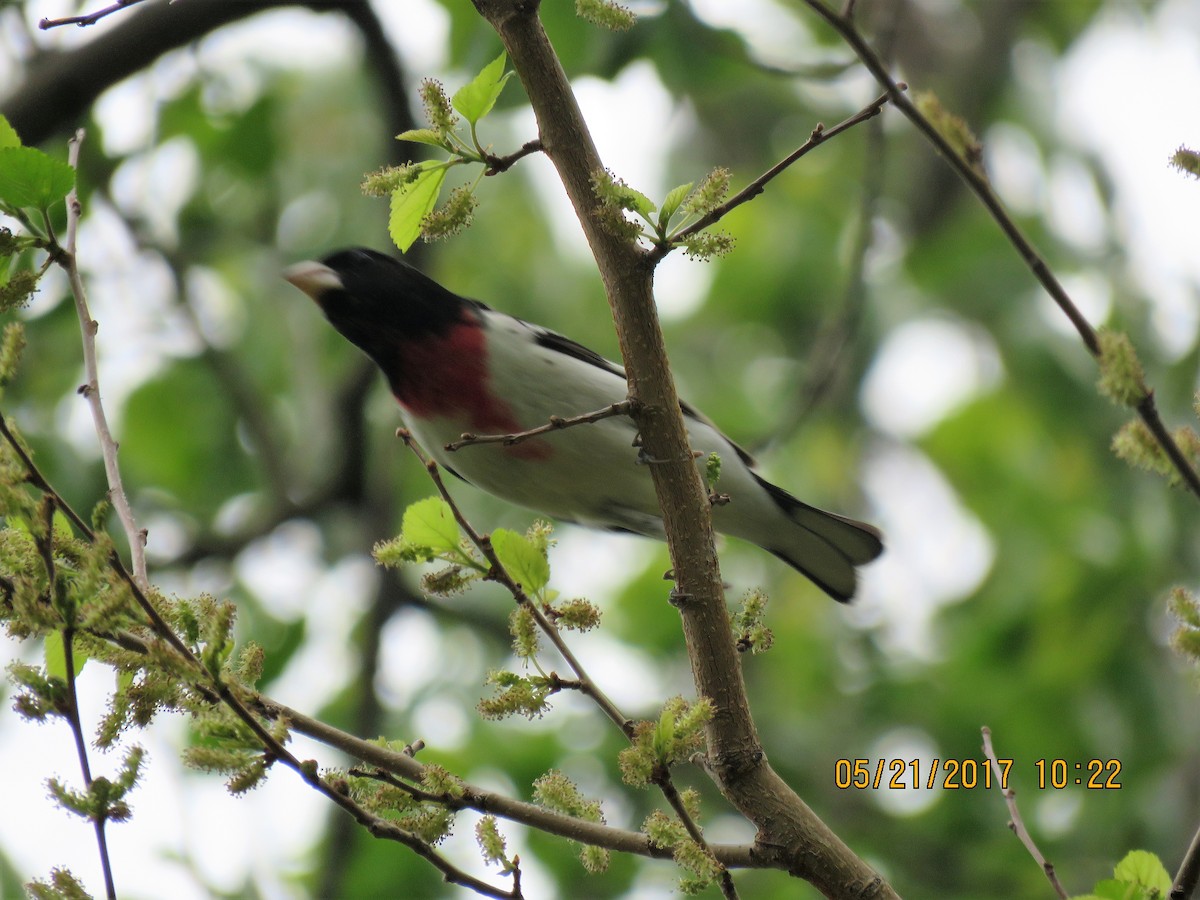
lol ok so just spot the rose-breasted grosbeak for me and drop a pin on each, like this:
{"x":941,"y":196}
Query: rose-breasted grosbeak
{"x":457,"y":366}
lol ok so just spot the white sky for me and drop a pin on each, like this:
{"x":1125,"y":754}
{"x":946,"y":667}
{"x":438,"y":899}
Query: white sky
{"x":1126,"y":93}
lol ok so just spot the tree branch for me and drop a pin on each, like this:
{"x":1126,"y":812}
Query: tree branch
{"x":45,"y":545}
{"x":217,"y":689}
{"x":405,"y":766}
{"x":584,"y":682}
{"x":1015,"y":823}
{"x":66,"y":258}
{"x":498,"y":164}
{"x":790,"y":834}
{"x":89,"y":19}
{"x":818,"y":136}
{"x":58,"y":92}
{"x":1189,"y":872}
{"x":667,"y":786}
{"x":977,"y":181}
{"x":556,"y":423}
{"x":500,"y":575}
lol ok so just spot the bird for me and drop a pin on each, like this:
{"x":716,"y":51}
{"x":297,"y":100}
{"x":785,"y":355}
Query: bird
{"x":457,"y":367}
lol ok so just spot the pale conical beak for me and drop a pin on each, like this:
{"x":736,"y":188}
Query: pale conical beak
{"x":313,"y":278}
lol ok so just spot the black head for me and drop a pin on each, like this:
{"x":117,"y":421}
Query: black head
{"x":376,"y":301}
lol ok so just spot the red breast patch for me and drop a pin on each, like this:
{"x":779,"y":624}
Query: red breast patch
{"x":447,"y":377}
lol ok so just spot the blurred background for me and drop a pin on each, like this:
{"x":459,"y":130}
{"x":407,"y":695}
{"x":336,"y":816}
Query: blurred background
{"x":873,"y":339}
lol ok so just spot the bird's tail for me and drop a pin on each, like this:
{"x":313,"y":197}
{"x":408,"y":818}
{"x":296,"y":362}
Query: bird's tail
{"x":824,"y":546}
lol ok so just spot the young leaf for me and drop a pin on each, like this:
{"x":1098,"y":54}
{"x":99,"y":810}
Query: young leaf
{"x":475,"y":99}
{"x":635,"y":201}
{"x":31,"y":178}
{"x":1142,"y":868}
{"x":664,"y":735}
{"x":522,"y":558}
{"x":422,"y":136}
{"x":430,"y":523}
{"x":8,"y":135}
{"x":672,"y":201}
{"x":412,"y":202}
{"x":56,"y":656}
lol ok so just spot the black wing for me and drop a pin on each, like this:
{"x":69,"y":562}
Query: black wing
{"x":554,"y":341}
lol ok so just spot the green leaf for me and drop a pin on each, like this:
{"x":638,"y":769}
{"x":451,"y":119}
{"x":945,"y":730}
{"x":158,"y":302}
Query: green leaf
{"x":525,"y":562}
{"x":56,"y":656}
{"x":1111,"y":889}
{"x":672,"y":201}
{"x":475,"y":99}
{"x":8,"y":135}
{"x":63,"y":531}
{"x":430,"y":523}
{"x":635,"y":201}
{"x":422,"y":136}
{"x":412,"y":202}
{"x":664,"y":734}
{"x":1143,"y":868}
{"x":31,"y":178}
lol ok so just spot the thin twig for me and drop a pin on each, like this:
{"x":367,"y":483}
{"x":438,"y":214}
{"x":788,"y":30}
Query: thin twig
{"x":404,"y":765}
{"x":498,"y":164}
{"x":828,"y":349}
{"x":556,"y":423}
{"x":213,"y":686}
{"x":38,"y":480}
{"x":98,"y":822}
{"x":584,"y":683}
{"x":66,"y":258}
{"x":45,"y":545}
{"x":663,"y":779}
{"x":89,"y":19}
{"x":977,"y":181}
{"x":1189,"y":872}
{"x":500,"y":575}
{"x":820,"y":134}
{"x":1015,"y":823}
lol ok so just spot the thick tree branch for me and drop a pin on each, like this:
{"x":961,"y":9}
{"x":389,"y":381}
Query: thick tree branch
{"x":789,"y":832}
{"x":61,"y":87}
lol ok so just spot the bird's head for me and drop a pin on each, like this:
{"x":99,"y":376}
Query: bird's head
{"x":376,"y":301}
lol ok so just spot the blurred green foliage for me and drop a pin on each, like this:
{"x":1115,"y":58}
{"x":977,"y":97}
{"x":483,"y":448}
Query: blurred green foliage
{"x":259,"y":417}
